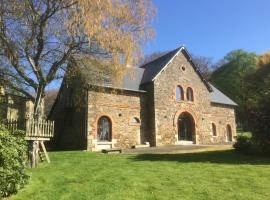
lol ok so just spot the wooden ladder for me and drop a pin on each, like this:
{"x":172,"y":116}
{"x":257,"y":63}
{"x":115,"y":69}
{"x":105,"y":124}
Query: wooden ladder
{"x":43,"y":151}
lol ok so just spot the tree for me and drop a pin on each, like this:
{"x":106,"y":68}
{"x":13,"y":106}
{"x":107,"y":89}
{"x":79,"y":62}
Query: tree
{"x":258,"y":99}
{"x":204,"y":64}
{"x":229,"y":78}
{"x":38,"y":38}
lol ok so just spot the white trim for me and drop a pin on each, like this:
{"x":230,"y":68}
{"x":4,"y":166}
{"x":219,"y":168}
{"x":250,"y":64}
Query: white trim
{"x":168,"y":62}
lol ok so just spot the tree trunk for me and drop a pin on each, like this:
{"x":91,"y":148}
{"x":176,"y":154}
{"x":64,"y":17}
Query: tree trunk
{"x":38,"y":113}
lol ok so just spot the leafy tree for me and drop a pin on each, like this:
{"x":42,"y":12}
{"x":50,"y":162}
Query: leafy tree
{"x":258,"y":101}
{"x":38,"y":38}
{"x":229,"y":78}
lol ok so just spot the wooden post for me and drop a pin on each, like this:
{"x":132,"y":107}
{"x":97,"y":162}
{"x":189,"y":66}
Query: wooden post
{"x":33,"y":152}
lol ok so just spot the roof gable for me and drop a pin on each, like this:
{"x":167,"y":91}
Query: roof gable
{"x":155,"y":67}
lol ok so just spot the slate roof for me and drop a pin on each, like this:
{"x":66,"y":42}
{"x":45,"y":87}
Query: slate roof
{"x":135,"y":76}
{"x":100,"y":77}
{"x":153,"y":68}
{"x":217,"y":96}
{"x":131,"y":81}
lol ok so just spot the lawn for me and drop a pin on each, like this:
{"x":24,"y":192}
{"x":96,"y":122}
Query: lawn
{"x":200,"y":175}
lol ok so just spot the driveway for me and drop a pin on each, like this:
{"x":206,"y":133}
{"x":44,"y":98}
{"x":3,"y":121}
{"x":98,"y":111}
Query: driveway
{"x":178,"y":148}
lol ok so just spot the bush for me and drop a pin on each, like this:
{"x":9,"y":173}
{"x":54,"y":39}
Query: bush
{"x":250,"y":145}
{"x":13,"y":160}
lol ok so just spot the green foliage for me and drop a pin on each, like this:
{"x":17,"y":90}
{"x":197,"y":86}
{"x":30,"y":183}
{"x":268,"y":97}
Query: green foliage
{"x":229,"y":78}
{"x":258,"y":100}
{"x":13,"y":157}
{"x":251,"y":146}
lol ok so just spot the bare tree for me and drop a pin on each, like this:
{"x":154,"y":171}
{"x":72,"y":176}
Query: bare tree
{"x":37,"y":38}
{"x":205,"y":65}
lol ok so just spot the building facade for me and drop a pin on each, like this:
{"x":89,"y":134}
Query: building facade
{"x":165,"y":102}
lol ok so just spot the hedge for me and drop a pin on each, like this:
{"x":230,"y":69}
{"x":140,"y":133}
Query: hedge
{"x":13,"y":160}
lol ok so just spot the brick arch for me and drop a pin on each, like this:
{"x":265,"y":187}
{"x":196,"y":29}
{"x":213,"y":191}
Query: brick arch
{"x":95,"y":124}
{"x":179,"y":112}
{"x":195,"y":120}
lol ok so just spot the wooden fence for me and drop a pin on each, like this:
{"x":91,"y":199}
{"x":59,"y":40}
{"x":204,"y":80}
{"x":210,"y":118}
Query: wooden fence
{"x":33,"y":128}
{"x":12,"y":125}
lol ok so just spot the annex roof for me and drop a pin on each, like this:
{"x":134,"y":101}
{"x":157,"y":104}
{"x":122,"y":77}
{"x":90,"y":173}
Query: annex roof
{"x":217,"y":96}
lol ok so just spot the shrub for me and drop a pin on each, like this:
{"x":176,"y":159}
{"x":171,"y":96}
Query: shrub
{"x":251,"y":145}
{"x":13,"y":158}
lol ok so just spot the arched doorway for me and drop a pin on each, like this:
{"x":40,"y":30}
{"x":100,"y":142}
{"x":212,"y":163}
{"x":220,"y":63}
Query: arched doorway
{"x":186,"y":127}
{"x":104,"y":132}
{"x":229,"y":133}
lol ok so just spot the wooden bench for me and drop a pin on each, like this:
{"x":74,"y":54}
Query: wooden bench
{"x":111,"y":150}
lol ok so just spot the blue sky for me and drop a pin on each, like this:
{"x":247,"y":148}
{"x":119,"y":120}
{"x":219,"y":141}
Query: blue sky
{"x":211,"y":28}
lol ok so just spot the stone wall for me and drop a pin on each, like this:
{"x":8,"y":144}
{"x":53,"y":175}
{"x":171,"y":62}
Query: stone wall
{"x":168,"y":109}
{"x":221,"y":116}
{"x":120,"y":107}
{"x":15,"y":107}
{"x":148,"y":114}
{"x":69,"y":114}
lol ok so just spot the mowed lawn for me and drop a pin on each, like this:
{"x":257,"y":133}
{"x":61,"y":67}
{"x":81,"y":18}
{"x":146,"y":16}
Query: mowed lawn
{"x":202,"y":175}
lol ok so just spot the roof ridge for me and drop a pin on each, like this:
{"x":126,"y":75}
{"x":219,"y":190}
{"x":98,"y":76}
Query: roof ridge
{"x":160,"y":57}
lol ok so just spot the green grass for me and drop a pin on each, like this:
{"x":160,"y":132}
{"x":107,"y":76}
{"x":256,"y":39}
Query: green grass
{"x":244,"y":133}
{"x":202,"y":175}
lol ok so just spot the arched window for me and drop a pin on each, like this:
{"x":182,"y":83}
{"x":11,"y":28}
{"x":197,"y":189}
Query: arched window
{"x":229,"y":133}
{"x":190,"y":94}
{"x":179,"y":93}
{"x":214,"y":129}
{"x":135,"y":121}
{"x":104,"y":129}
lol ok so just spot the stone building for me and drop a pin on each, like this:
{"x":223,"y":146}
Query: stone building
{"x":164,"y":102}
{"x":14,"y":107}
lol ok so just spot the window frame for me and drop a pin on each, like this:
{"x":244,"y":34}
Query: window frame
{"x":188,"y":93}
{"x":181,"y":93}
{"x":98,"y":128}
{"x":135,"y":124}
{"x":214,"y":130}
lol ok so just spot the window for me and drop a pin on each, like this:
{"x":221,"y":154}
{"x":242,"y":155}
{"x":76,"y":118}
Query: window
{"x":104,"y":129}
{"x":214,"y":129}
{"x":179,"y":93}
{"x":135,"y":121}
{"x":190,"y":94}
{"x":229,"y":133}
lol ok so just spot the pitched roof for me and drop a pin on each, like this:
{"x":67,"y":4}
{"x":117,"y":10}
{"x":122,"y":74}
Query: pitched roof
{"x":153,"y":68}
{"x":217,"y":96}
{"x":131,"y":81}
{"x":94,"y":75}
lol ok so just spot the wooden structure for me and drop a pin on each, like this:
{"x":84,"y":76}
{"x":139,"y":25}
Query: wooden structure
{"x":36,"y":133}
{"x":117,"y":150}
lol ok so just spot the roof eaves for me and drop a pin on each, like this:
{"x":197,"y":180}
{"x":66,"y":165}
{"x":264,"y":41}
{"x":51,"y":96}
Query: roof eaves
{"x":117,"y":88}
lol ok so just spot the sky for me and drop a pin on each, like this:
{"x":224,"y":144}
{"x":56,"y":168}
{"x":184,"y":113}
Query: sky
{"x":211,"y":28}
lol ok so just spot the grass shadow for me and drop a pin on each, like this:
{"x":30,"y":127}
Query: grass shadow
{"x":218,"y":157}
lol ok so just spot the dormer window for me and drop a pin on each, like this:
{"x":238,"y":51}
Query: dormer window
{"x":179,"y":93}
{"x":190,"y":96}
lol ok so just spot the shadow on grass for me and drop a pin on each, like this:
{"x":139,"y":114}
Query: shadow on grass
{"x":218,"y":157}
